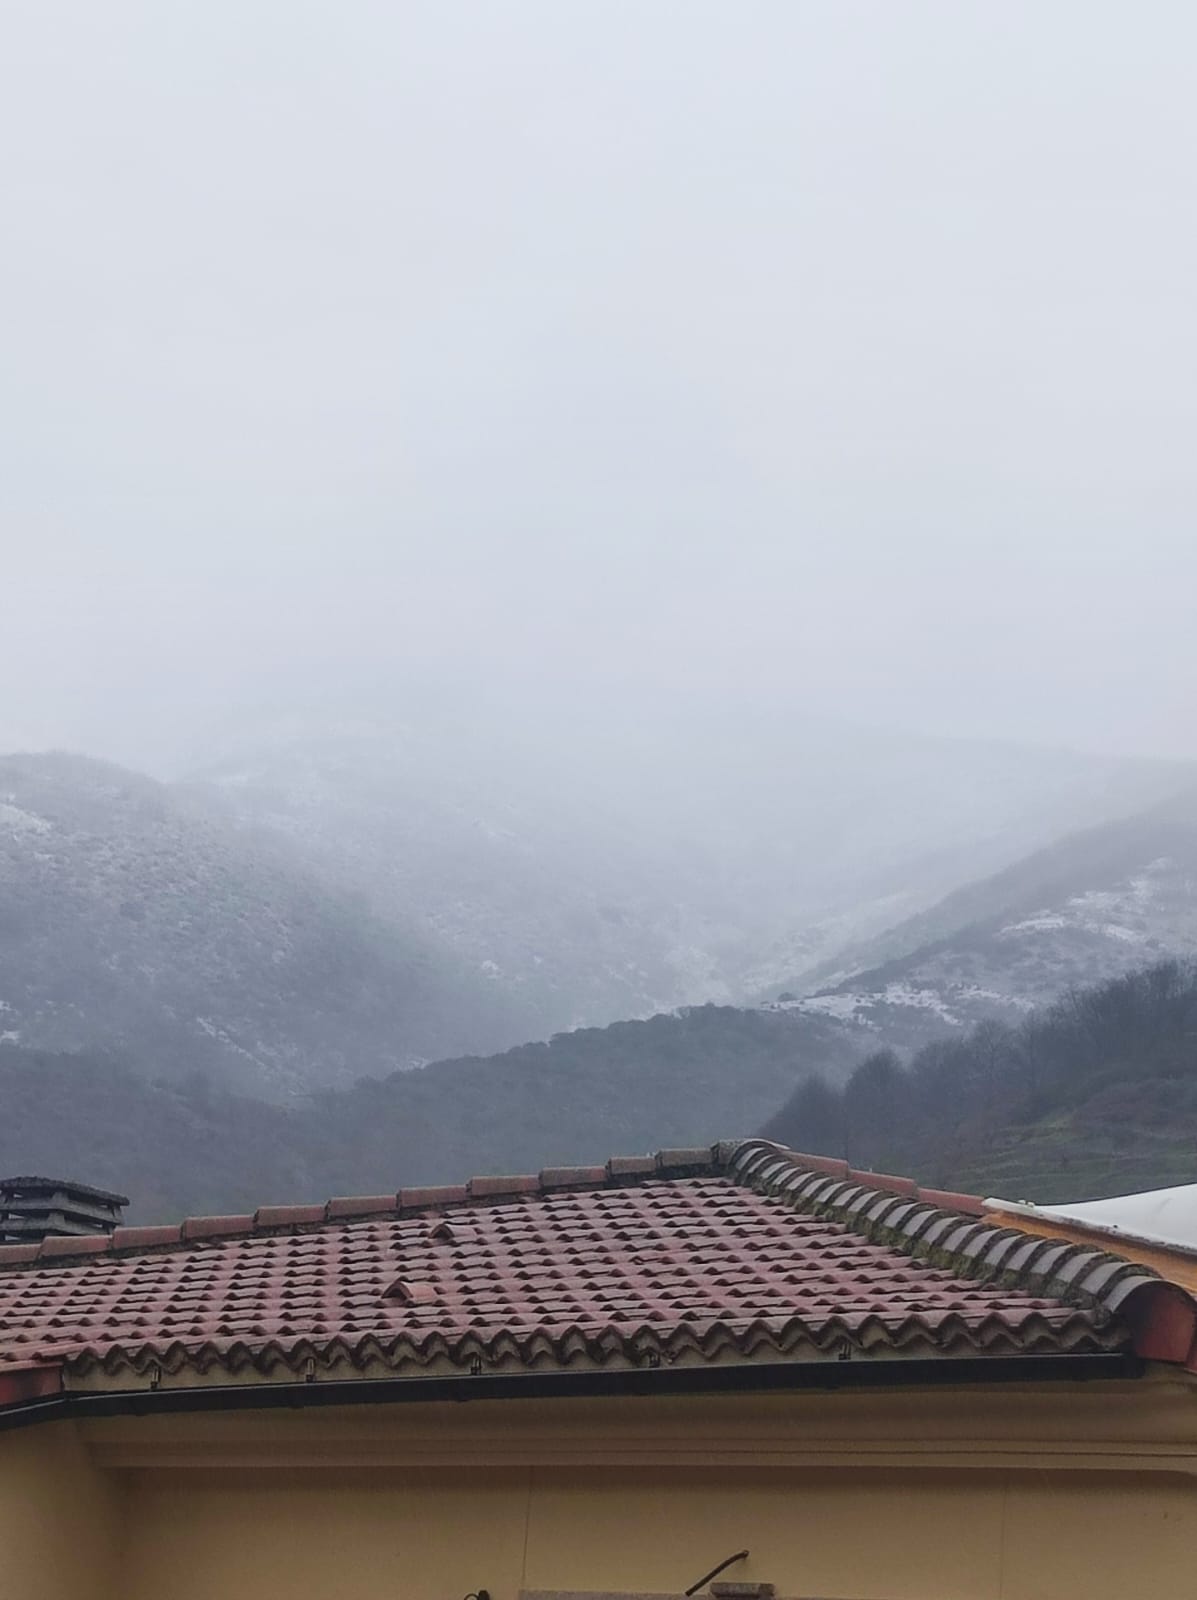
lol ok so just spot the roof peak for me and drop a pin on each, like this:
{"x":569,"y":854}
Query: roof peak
{"x":723,"y":1157}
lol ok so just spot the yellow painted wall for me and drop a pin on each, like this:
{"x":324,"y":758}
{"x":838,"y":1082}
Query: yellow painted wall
{"x":1035,"y":1492}
{"x":913,"y":1536}
{"x":61,"y":1521}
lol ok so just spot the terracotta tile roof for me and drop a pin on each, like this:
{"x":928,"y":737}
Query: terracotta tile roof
{"x":737,"y":1253}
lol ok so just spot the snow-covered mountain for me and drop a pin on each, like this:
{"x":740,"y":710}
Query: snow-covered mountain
{"x":135,"y":920}
{"x":586,"y":870}
{"x":1092,"y":906}
{"x":315,"y":906}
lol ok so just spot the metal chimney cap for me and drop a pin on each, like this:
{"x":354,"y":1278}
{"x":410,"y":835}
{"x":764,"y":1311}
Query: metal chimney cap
{"x":37,"y":1185}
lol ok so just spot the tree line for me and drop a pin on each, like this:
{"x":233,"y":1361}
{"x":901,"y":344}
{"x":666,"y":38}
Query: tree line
{"x":1102,"y":1068}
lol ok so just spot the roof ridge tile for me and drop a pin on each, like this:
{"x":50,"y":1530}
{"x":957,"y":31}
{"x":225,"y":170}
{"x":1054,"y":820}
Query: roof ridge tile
{"x":485,"y":1188}
{"x":214,"y":1227}
{"x":971,"y":1250}
{"x":270,"y":1220}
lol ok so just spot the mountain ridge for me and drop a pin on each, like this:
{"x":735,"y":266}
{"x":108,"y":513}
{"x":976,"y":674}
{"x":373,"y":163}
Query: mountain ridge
{"x":1089,"y":907}
{"x":194,"y":1146}
{"x":370,"y":922}
{"x":134,"y":919}
{"x":592,"y":872}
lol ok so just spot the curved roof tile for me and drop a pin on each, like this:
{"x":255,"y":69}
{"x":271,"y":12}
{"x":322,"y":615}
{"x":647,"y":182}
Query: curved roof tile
{"x":744,"y":1251}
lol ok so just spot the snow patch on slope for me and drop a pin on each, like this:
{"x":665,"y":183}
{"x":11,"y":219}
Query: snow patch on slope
{"x":1129,"y":912}
{"x":17,"y":821}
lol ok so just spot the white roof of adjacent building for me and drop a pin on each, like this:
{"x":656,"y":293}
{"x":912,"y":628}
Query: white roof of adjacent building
{"x":1158,"y":1216}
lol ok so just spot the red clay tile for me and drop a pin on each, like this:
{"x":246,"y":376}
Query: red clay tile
{"x":287,"y":1216}
{"x":671,"y":1160}
{"x":490,"y":1188}
{"x":632,"y":1249}
{"x":359,"y":1205}
{"x":145,"y":1238}
{"x":14,"y":1254}
{"x":631,"y":1166}
{"x":214,"y":1227}
{"x":948,"y":1200}
{"x":828,"y":1164}
{"x":452,"y":1230}
{"x":885,"y":1180}
{"x":88,"y":1244}
{"x":411,"y":1294}
{"x":433,"y":1195}
{"x":572,"y":1177}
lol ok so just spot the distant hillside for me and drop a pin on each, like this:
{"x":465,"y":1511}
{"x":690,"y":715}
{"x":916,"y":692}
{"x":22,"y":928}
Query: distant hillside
{"x":589,"y":870}
{"x":135,"y":920}
{"x":562,"y":911}
{"x":1096,"y":1095}
{"x":1098,"y":903}
{"x":710,"y":1073}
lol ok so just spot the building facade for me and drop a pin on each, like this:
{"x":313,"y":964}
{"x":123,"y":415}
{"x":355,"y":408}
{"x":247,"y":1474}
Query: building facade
{"x":597,"y":1382}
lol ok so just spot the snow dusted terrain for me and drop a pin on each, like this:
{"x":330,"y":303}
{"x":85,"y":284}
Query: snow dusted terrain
{"x":138,"y":923}
{"x":316,"y":906}
{"x":586,"y":872}
{"x":1095,"y":905}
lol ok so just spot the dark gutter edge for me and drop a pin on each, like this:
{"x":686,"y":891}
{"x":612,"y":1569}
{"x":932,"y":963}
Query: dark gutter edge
{"x":560,"y":1385}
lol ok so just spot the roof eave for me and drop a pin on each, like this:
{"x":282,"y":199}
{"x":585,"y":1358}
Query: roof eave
{"x":693,"y":1380}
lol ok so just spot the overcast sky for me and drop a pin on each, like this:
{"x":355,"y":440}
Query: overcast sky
{"x":836,"y":353}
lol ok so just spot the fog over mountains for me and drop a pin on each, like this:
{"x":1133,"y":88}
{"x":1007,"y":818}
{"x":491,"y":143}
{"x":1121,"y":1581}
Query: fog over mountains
{"x":532,"y":532}
{"x":585,"y":870}
{"x":330,"y":951}
{"x":1095,"y":904}
{"x":135,"y":919}
{"x":320,"y":903}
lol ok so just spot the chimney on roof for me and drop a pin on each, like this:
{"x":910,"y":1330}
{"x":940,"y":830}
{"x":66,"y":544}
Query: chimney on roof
{"x":45,"y":1208}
